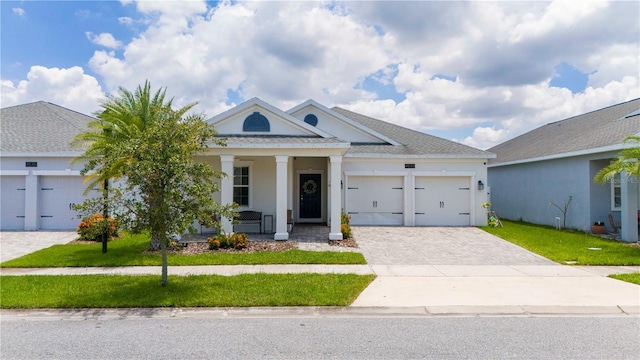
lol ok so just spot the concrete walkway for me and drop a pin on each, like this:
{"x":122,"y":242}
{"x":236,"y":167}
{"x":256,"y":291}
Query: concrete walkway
{"x":474,"y":273}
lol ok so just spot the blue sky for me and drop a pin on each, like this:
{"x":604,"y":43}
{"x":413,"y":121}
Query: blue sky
{"x":475,"y":72}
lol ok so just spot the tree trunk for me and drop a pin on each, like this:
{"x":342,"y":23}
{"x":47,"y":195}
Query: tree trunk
{"x":163,"y":246}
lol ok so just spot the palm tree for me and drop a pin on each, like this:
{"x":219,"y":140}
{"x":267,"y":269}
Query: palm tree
{"x":626,"y":161}
{"x":123,"y":118}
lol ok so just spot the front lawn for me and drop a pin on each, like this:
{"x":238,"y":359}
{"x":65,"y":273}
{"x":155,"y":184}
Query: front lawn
{"x":567,"y":247}
{"x":632,"y":278}
{"x":130,"y":251}
{"x":114,"y":291}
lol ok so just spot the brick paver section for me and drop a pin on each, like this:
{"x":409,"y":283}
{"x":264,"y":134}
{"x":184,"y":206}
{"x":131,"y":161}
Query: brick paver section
{"x":439,"y":246}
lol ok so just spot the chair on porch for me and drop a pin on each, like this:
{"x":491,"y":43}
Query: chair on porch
{"x":614,"y":225}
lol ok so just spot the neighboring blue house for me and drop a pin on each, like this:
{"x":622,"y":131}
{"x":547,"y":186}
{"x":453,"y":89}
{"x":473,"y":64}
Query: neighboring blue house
{"x":559,"y":160}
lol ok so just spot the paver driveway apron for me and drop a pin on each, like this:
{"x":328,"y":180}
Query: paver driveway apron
{"x":14,"y":244}
{"x":466,"y":270}
{"x":440,"y":246}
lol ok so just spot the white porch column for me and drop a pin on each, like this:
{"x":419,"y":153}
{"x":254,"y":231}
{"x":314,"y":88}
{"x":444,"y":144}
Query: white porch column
{"x":336,"y":203}
{"x":281,"y":197}
{"x":226,"y":189}
{"x":31,"y":210}
{"x":629,"y":213}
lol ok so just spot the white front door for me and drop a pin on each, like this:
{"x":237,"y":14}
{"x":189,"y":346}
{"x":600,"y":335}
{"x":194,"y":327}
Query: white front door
{"x":375,"y":200}
{"x":442,"y":201}
{"x":57,"y":195}
{"x":12,"y":192}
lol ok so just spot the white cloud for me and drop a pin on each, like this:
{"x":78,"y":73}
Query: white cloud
{"x":559,"y":14}
{"x":105,"y":39}
{"x":71,"y":88}
{"x":502,"y":56}
{"x":18,"y":11}
{"x":485,"y":137}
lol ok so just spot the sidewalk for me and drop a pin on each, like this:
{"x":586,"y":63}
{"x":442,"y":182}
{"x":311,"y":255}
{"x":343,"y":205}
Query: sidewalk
{"x":443,"y":289}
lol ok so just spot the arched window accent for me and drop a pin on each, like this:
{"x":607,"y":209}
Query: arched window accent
{"x":256,"y":122}
{"x":311,"y":120}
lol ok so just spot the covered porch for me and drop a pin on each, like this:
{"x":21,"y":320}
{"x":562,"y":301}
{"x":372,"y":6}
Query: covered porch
{"x":617,"y":203}
{"x":285,"y":182}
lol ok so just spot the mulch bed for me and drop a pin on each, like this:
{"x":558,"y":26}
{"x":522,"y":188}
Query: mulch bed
{"x":194,"y":248}
{"x":252,"y":246}
{"x":350,"y":242}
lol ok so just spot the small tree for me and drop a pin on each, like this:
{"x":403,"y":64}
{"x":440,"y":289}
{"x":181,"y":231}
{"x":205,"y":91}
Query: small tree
{"x":564,"y":209}
{"x":163,"y":189}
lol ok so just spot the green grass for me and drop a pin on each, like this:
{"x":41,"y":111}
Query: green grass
{"x":567,"y":246}
{"x":632,"y":278}
{"x":114,"y":291}
{"x":129,"y":251}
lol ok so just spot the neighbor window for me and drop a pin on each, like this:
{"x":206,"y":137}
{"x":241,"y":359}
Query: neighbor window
{"x":616,"y":193}
{"x":241,"y":185}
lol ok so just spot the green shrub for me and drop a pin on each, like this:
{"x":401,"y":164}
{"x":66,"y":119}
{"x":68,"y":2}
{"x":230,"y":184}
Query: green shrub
{"x":92,"y":227}
{"x":345,"y":228}
{"x":224,"y":241}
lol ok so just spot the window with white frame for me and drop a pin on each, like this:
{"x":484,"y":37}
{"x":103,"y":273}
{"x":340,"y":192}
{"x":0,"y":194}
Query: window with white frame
{"x":616,"y":193}
{"x":241,"y":185}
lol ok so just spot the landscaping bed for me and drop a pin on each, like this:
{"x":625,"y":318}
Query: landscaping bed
{"x":131,"y":250}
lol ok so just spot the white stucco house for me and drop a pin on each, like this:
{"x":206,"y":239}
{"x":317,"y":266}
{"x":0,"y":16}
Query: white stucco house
{"x":559,"y":160}
{"x":311,"y":162}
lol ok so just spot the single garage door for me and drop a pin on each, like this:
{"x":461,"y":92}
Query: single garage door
{"x":375,"y":200}
{"x":57,"y":194}
{"x":12,"y":192}
{"x":442,"y":201}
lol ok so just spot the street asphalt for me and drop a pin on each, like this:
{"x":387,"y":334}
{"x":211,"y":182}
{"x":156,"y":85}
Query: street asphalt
{"x":420,"y":271}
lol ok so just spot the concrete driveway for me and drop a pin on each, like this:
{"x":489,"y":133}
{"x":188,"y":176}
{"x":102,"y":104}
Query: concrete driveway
{"x":440,"y":246}
{"x":14,"y":244}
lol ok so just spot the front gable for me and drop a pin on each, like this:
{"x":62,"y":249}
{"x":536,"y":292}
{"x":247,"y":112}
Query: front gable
{"x":340,"y":126}
{"x":257,"y":118}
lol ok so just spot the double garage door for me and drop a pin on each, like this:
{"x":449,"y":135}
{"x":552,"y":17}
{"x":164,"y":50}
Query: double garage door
{"x":438,"y":201}
{"x":56,"y":194}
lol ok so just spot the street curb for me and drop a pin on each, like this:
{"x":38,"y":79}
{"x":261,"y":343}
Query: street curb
{"x":316,"y":312}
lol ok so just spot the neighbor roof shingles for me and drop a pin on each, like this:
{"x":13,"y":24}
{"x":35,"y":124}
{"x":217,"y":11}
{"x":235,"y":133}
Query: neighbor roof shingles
{"x":39,"y":127}
{"x":413,"y":142}
{"x":597,"y":129}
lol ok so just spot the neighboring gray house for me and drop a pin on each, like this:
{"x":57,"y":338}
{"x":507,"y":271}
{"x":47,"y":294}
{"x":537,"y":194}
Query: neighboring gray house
{"x":308,"y":163}
{"x":559,"y":160}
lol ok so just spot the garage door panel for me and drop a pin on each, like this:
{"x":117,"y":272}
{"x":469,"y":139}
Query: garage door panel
{"x":376,"y":200}
{"x":12,"y":200}
{"x":442,"y":201}
{"x":379,"y":219}
{"x":57,"y":195}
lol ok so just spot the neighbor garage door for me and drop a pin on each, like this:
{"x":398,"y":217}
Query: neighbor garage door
{"x":57,"y":194}
{"x":442,"y":201}
{"x":12,"y":192}
{"x":375,"y":200}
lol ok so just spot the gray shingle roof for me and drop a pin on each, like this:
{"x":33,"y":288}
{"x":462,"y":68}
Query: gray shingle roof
{"x":596,"y":129}
{"x":413,"y":142}
{"x":39,"y":127}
